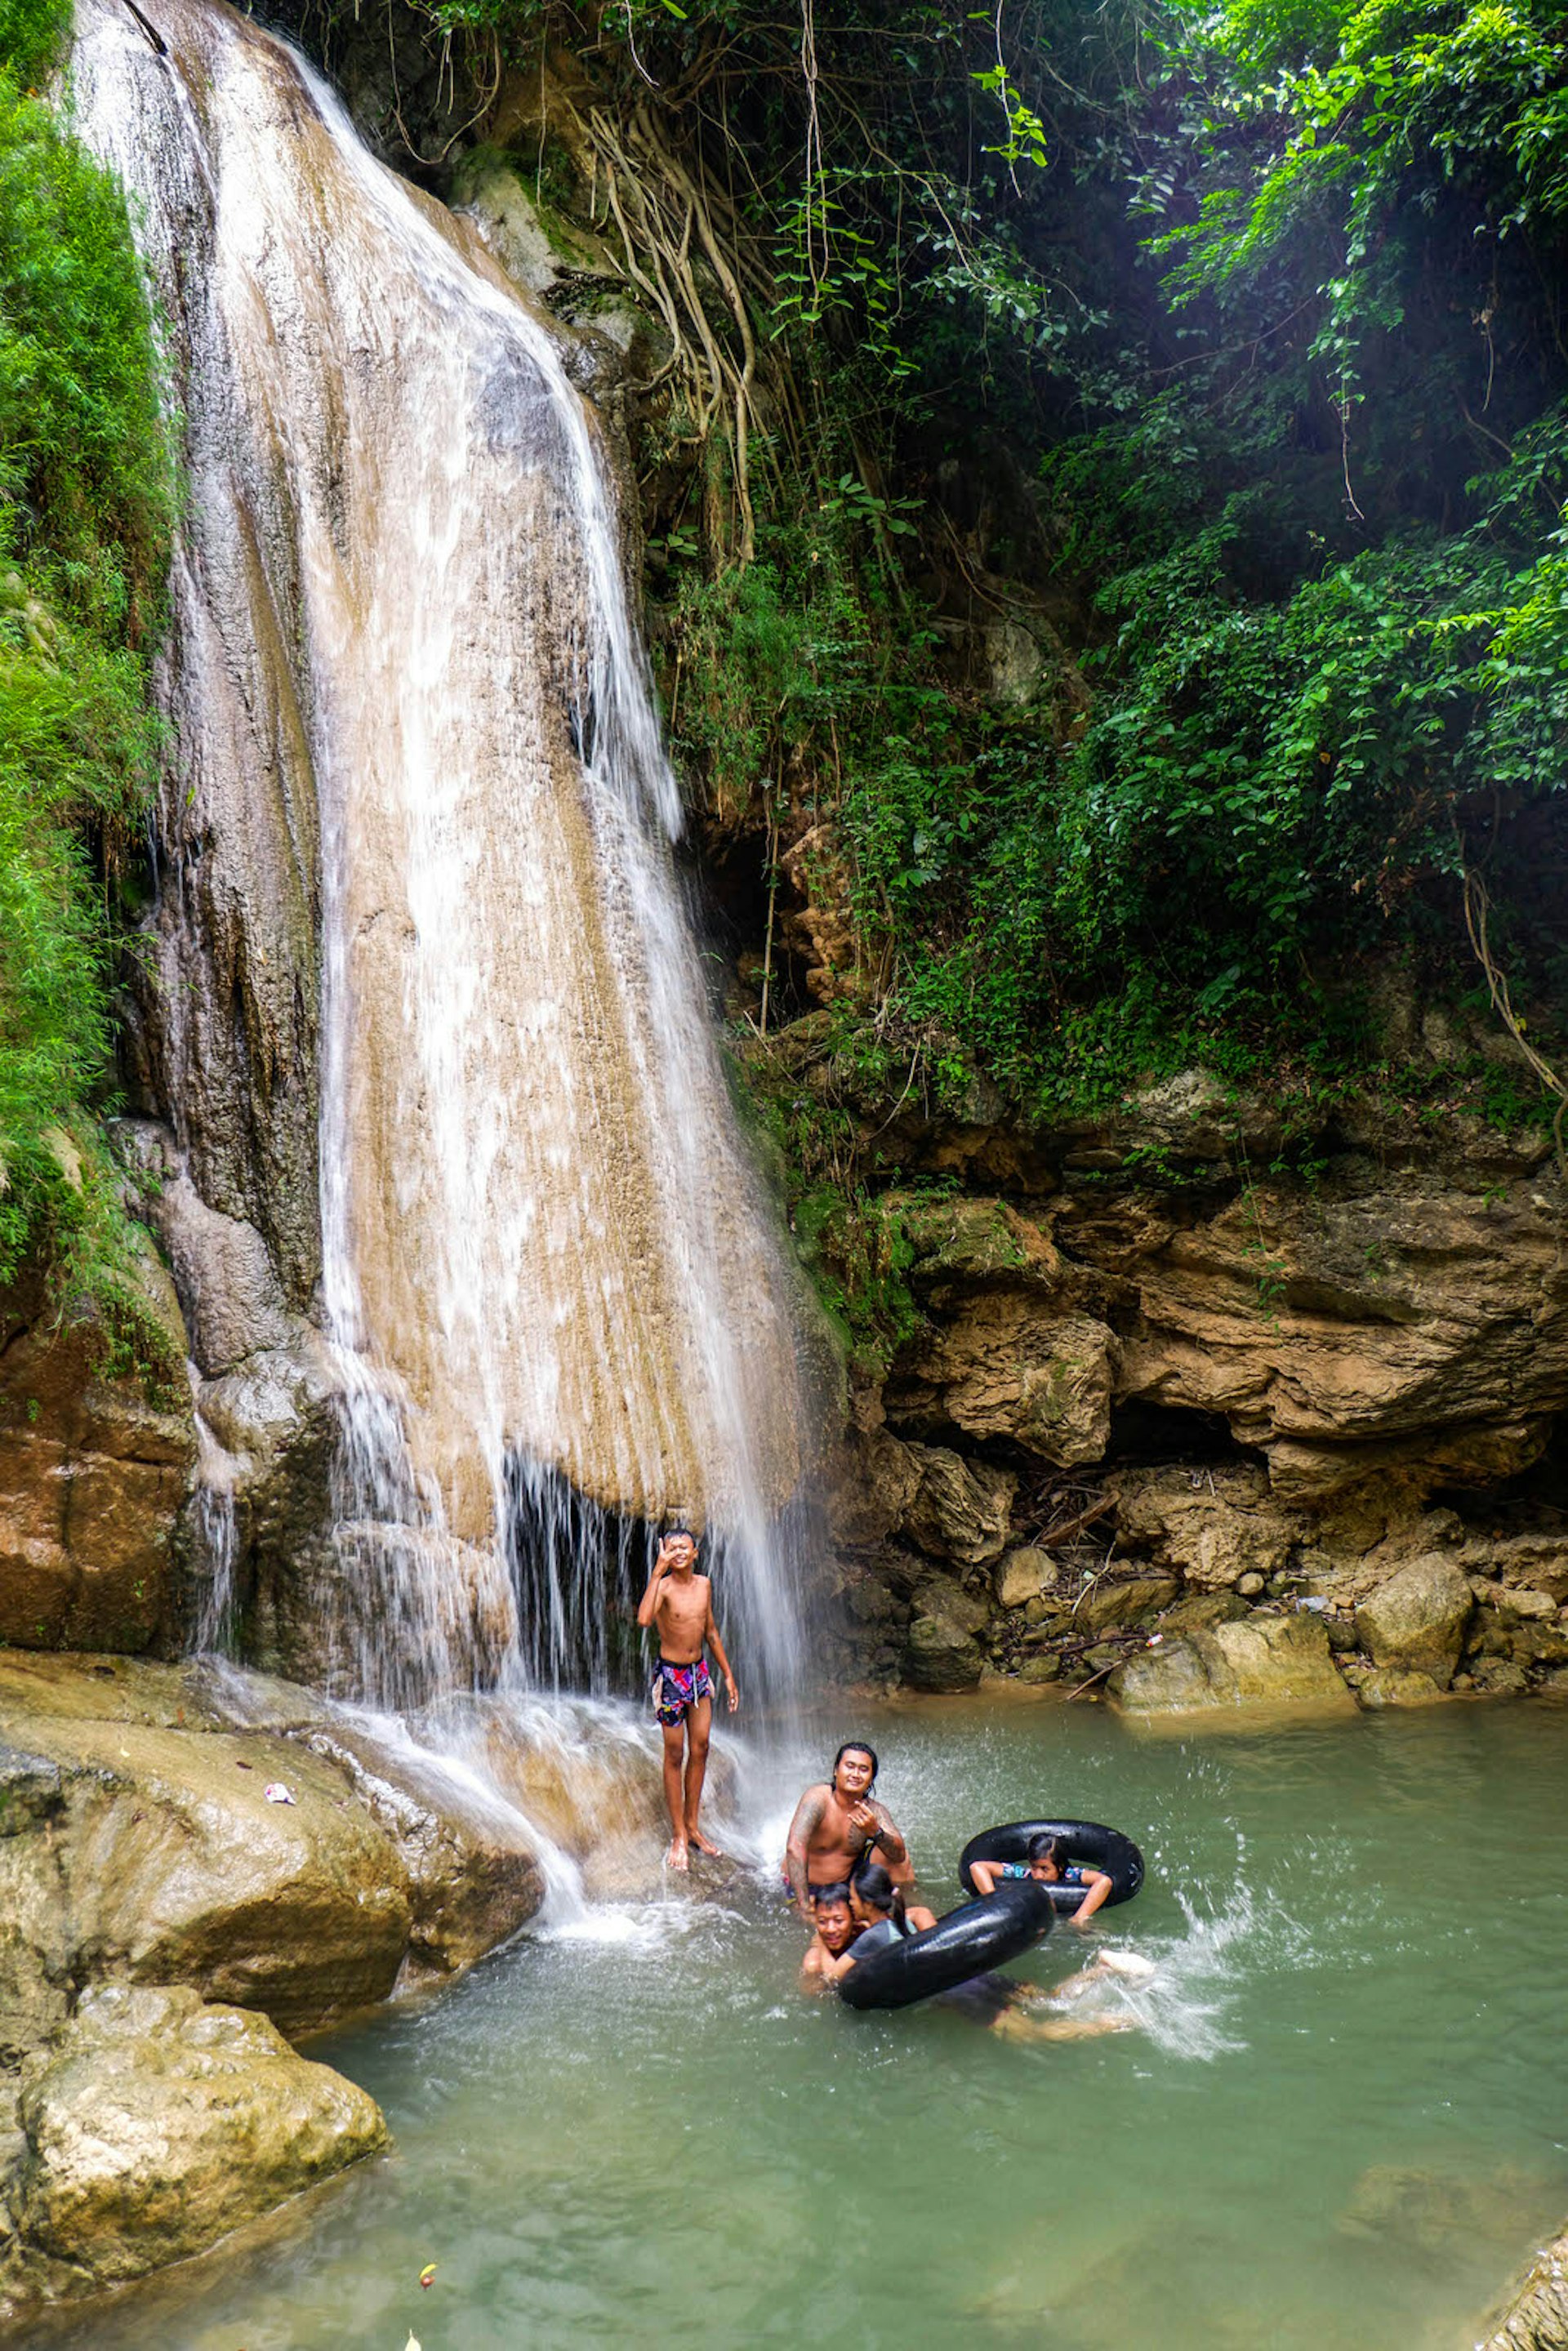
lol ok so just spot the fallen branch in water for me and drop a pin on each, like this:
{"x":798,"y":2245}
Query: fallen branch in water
{"x":1092,"y":1679}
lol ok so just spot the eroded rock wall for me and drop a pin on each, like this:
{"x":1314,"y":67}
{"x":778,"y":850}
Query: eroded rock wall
{"x":1117,"y":1396}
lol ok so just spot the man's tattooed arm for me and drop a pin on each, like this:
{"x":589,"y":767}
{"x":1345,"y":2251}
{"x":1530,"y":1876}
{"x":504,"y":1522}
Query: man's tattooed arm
{"x":802,"y":1828}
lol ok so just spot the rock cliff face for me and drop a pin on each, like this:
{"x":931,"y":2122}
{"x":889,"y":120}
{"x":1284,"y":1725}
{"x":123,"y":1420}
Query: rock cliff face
{"x":93,"y":1476}
{"x":1114,"y":1395}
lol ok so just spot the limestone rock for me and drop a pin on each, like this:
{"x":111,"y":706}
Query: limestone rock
{"x":1281,"y":1660}
{"x":872,"y":1479}
{"x":1538,"y":1561}
{"x":157,"y":2125}
{"x":1500,"y":1677}
{"x":143,"y":1848}
{"x":1211,"y":1526}
{"x":1537,"y":2317}
{"x":92,"y":1478}
{"x":473,"y":1877}
{"x":1417,"y":1618}
{"x":1105,"y":1605}
{"x":1199,"y":1610}
{"x":1415,"y":1329}
{"x":952,"y":1507}
{"x":942,"y":1651}
{"x":1001,"y":1368}
{"x":960,"y":1509}
{"x":1397,"y":1686}
{"x":1022,"y":1575}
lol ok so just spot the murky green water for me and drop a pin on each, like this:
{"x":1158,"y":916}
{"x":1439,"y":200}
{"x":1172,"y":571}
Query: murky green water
{"x":1343,"y":2122}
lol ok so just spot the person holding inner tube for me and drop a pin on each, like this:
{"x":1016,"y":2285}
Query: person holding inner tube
{"x":837,"y":1823}
{"x":1047,"y":1862}
{"x":877,"y":1917}
{"x":836,"y":1928}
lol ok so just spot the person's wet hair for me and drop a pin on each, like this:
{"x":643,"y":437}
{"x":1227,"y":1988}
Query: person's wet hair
{"x":854,"y":1747}
{"x":875,"y":1888}
{"x":829,"y":1897}
{"x":1048,"y":1848}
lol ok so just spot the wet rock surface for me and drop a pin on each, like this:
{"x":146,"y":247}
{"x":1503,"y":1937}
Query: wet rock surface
{"x":192,"y":1861}
{"x":1537,"y":2317}
{"x":147,"y":1849}
{"x":1416,"y":1621}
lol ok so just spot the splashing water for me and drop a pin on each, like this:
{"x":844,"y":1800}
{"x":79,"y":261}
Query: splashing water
{"x":419,"y":768}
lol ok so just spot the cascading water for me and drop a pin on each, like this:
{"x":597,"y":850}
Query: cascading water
{"x":554,"y":1307}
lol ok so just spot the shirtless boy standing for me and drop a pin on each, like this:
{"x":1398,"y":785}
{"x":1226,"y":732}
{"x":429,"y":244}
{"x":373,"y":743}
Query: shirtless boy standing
{"x":836,"y":1824}
{"x":680,"y":1603}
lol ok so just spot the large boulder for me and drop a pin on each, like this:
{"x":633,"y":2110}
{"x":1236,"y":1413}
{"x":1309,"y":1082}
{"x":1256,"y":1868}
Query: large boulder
{"x":1134,"y":1601}
{"x":1537,"y":2317}
{"x":1416,"y":1620}
{"x":145,"y":1848}
{"x":941,"y":1651}
{"x":155,"y":2125}
{"x":1250,"y":1661}
{"x":1005,"y":1368}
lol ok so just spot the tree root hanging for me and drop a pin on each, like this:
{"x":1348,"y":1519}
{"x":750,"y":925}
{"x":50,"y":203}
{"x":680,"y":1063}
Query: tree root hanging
{"x":1478,"y":907}
{"x":672,"y":224}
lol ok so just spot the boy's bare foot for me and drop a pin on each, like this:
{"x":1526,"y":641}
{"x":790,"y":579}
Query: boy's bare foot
{"x":705,"y":1845}
{"x":677,"y":1857}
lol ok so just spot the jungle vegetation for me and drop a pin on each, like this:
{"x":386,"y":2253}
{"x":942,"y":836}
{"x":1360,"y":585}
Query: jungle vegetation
{"x":86,"y":490}
{"x":1206,"y":368}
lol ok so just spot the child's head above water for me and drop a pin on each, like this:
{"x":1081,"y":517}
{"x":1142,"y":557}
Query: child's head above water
{"x":1047,"y":1858}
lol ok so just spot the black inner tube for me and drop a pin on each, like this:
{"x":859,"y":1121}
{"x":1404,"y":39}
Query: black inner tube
{"x":1087,"y":1842}
{"x":967,"y":1941}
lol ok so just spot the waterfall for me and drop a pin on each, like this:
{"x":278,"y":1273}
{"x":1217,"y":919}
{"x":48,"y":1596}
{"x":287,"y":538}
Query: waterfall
{"x":416,"y":769}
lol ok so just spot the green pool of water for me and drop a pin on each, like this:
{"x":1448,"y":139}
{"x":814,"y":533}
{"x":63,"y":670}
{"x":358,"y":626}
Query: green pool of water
{"x":1342,"y":2122}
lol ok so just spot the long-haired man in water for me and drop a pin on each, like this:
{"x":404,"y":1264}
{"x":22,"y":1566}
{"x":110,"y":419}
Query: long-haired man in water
{"x":679,"y":1602}
{"x":837,"y":1824}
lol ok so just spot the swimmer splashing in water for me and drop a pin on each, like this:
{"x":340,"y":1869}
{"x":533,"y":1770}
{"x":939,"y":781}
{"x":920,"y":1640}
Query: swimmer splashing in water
{"x":679,"y":1602}
{"x":876,"y":1919}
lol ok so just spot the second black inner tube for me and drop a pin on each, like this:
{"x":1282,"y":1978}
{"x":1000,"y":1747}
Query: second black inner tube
{"x":966,"y":1943}
{"x":1087,"y":1842}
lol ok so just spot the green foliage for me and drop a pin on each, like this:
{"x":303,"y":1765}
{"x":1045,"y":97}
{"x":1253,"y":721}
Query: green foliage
{"x":85,"y":505}
{"x":32,"y":39}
